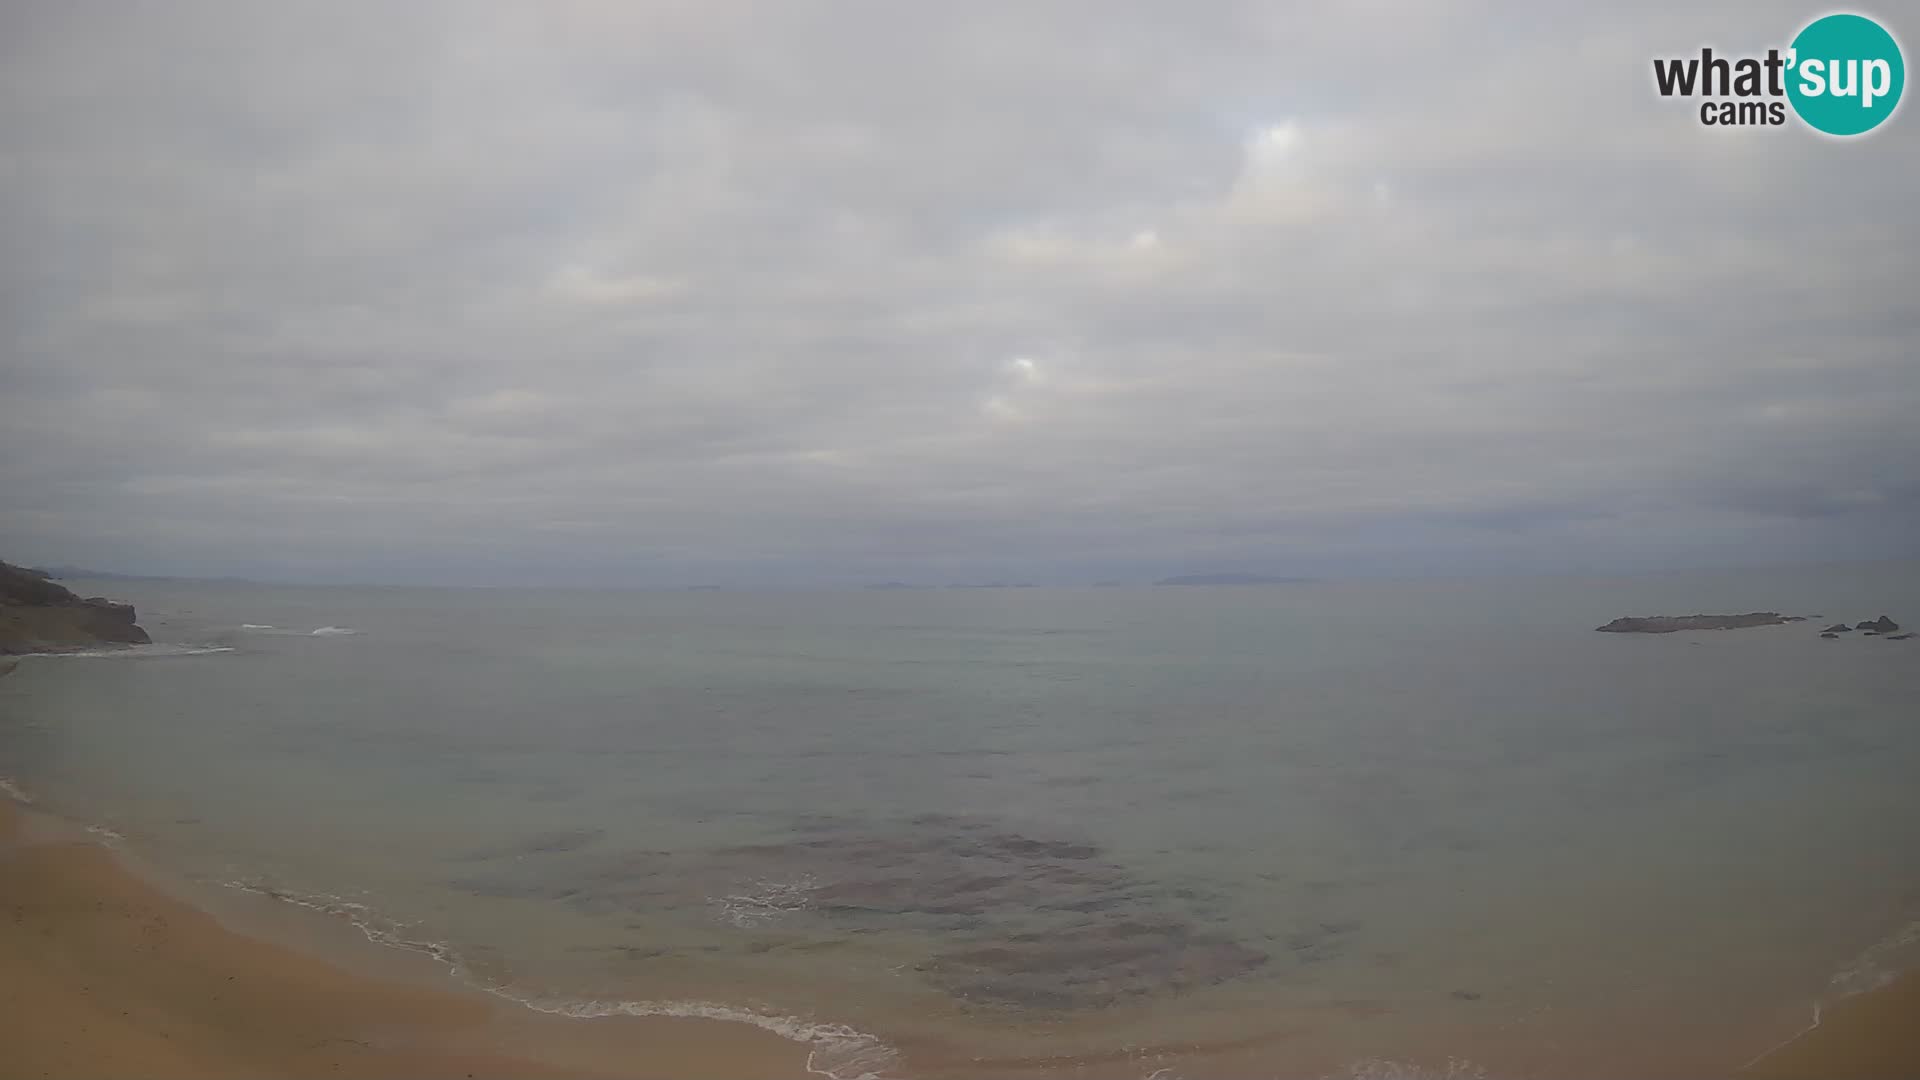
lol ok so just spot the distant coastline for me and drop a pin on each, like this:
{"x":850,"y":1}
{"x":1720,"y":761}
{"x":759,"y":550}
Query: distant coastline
{"x":1232,"y":579}
{"x":71,"y":573}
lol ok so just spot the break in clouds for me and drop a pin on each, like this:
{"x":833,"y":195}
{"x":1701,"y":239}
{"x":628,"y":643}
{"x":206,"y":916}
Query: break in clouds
{"x":662,"y":293}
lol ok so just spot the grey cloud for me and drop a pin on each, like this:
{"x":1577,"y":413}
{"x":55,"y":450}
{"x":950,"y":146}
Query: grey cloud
{"x":656,"y":292}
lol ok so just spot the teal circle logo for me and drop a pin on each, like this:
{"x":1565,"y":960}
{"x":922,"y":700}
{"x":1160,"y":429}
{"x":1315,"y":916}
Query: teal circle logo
{"x":1846,"y":74}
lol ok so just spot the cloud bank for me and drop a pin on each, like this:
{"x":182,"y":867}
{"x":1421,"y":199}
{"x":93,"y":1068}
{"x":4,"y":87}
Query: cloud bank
{"x":658,"y":293}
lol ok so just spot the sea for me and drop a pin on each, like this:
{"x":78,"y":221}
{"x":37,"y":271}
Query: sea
{"x":1340,"y":829}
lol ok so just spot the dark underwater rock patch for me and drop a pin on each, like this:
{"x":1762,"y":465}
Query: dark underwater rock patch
{"x":1037,"y":922}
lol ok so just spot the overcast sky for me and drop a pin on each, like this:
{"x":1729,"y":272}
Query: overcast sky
{"x":661,"y":293}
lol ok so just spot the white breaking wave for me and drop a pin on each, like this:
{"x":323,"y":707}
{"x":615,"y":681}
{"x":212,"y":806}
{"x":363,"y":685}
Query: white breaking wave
{"x":17,"y":794}
{"x":255,"y":626}
{"x":332,"y":631}
{"x":1875,"y":966}
{"x":835,"y":1051}
{"x":139,"y":652}
{"x":1379,"y":1069}
{"x":1818,"y":1015}
{"x":765,"y":902}
{"x":363,"y":918}
{"x":1871,"y":970}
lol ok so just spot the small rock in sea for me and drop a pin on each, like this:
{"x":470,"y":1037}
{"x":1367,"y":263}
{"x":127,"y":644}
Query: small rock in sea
{"x":1466,"y":995}
{"x":1899,"y":637}
{"x":1838,"y":628}
{"x":1830,"y":636}
{"x":1882,"y":625}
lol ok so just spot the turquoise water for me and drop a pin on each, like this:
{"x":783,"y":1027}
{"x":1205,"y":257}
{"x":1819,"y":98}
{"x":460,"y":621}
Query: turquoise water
{"x":1124,"y":830}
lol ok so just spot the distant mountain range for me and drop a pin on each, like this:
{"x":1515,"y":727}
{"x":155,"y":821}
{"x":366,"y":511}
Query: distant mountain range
{"x":65,"y":573}
{"x":1231,"y":579}
{"x":68,"y":573}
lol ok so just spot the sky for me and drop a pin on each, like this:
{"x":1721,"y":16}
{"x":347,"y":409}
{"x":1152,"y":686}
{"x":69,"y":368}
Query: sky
{"x":814,"y":293}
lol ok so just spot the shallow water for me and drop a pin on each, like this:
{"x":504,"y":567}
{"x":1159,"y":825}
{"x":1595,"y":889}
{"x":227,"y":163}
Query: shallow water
{"x":1297,"y":830}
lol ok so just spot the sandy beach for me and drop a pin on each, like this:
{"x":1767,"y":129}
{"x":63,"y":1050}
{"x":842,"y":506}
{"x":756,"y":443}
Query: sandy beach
{"x":102,"y":974}
{"x":1871,"y":1036}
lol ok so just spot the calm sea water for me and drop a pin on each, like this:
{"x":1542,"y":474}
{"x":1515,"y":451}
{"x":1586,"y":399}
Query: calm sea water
{"x":1293,"y":829}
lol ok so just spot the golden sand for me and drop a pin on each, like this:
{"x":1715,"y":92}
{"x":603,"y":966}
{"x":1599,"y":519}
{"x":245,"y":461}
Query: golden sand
{"x":1872,"y":1036}
{"x":103,"y":975}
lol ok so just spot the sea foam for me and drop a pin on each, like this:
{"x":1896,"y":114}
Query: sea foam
{"x":764,"y":902}
{"x":1380,"y":1069}
{"x":1878,"y":964}
{"x":158,"y":650}
{"x":835,"y":1051}
{"x":1875,"y":966}
{"x":107,"y":836}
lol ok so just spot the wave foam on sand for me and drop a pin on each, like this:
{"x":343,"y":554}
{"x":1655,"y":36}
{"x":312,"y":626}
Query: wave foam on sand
{"x":1878,"y":964}
{"x":1377,"y":1069}
{"x":137,"y":652}
{"x":1875,"y":968}
{"x":835,"y":1051}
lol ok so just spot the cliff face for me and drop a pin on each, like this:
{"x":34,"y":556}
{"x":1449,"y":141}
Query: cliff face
{"x":37,"y":615}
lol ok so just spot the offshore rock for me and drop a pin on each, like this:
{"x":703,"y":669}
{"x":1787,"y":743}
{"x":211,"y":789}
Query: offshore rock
{"x":1667,"y":624}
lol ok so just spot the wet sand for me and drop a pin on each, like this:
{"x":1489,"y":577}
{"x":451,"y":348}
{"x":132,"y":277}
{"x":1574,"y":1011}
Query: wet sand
{"x":1871,"y":1036}
{"x":102,"y":974}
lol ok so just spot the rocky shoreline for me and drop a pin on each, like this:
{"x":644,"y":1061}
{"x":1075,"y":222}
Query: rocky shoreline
{"x":38,"y":615}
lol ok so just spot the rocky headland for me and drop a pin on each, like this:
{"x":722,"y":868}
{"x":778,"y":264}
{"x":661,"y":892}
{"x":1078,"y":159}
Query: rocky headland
{"x":39,"y":615}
